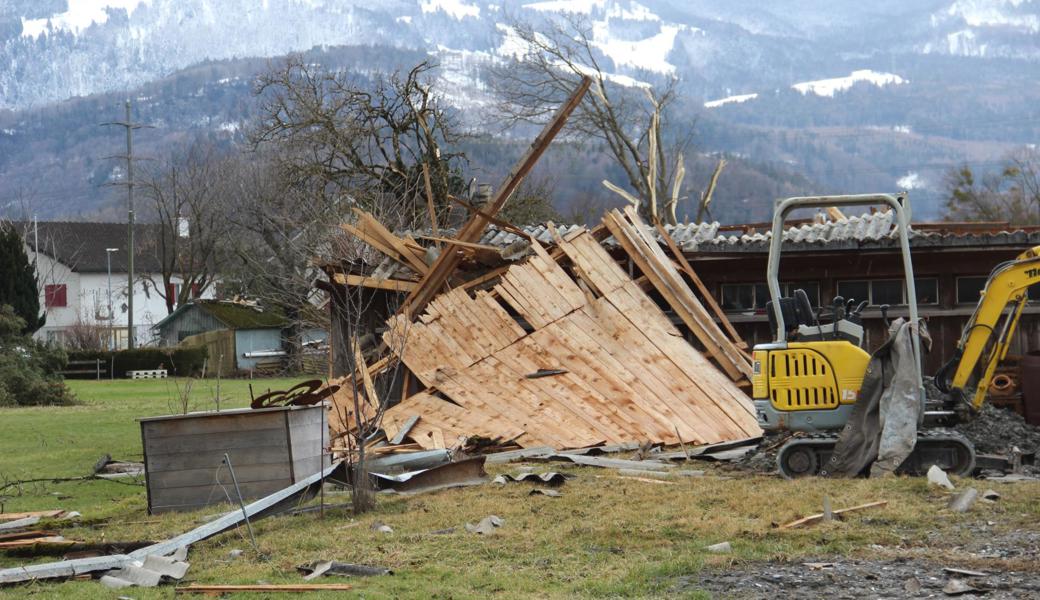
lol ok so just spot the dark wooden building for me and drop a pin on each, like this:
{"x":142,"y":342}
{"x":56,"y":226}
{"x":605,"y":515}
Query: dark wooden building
{"x":859,"y":258}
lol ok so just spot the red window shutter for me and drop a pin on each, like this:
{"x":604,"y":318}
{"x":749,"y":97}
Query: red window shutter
{"x":55,"y":295}
{"x":171,"y":294}
{"x":195,"y":290}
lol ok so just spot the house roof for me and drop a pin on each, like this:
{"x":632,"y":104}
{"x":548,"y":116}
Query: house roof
{"x":235,"y":315}
{"x":81,"y":245}
{"x":872,"y":231}
{"x":858,"y":232}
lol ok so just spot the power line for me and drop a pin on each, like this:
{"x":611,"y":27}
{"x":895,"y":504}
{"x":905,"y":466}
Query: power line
{"x":130,"y":126}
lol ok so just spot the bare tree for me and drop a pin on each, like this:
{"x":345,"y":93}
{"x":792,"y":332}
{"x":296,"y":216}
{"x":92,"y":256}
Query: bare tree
{"x":1011,"y":194}
{"x":184,"y":192}
{"x":366,"y":140}
{"x":277,"y":231}
{"x":630,"y":117}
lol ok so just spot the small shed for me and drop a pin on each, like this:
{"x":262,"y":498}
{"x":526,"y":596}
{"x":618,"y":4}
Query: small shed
{"x":250,"y":330}
{"x":269,"y":449}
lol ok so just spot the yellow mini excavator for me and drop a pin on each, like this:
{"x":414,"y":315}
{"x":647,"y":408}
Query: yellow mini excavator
{"x":808,"y":379}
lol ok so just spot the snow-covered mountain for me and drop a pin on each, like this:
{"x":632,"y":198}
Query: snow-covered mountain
{"x":836,"y":96}
{"x":55,"y":49}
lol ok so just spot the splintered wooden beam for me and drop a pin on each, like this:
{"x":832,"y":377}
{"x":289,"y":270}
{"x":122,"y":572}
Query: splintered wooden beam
{"x":395,"y":285}
{"x":371,"y":225}
{"x":703,"y":289}
{"x":366,"y":377}
{"x":446,"y":263}
{"x":836,"y":513}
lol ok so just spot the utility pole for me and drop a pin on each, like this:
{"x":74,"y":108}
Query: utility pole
{"x":129,"y":183}
{"x":111,"y":317}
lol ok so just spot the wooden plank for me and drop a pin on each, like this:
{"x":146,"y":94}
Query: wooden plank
{"x":819,"y":517}
{"x":373,"y":226}
{"x":403,"y":430}
{"x":432,"y":212}
{"x":213,"y":423}
{"x":672,"y":395}
{"x":714,"y":386}
{"x":219,"y":590}
{"x":212,"y":459}
{"x":43,"y":514}
{"x":395,"y":285}
{"x":366,"y":377}
{"x":159,"y":480}
{"x":735,"y":366}
{"x":159,"y":446}
{"x":446,"y":262}
{"x":705,"y":293}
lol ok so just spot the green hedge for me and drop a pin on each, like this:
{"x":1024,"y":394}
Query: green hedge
{"x":184,"y":362}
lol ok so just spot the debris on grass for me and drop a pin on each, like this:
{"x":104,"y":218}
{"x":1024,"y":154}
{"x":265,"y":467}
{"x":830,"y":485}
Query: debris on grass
{"x":937,"y":476}
{"x":720,"y":548}
{"x":486,"y":526}
{"x":545,"y":492}
{"x":964,"y":500}
{"x":811,"y":519}
{"x":219,"y":590}
{"x":331,"y":567}
{"x":549,"y":478}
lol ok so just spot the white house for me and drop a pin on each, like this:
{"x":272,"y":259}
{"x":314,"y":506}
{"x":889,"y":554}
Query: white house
{"x":73,"y":261}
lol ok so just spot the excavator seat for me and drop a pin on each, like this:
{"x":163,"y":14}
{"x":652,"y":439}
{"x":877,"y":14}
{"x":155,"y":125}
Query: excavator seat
{"x":797,"y":311}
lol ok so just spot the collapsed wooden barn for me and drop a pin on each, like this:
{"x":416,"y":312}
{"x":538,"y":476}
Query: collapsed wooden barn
{"x":564,"y":348}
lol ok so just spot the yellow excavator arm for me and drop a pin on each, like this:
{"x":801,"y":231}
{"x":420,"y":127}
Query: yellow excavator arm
{"x":987,"y":336}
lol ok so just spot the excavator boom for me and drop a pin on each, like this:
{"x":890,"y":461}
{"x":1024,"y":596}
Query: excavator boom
{"x":987,"y":337}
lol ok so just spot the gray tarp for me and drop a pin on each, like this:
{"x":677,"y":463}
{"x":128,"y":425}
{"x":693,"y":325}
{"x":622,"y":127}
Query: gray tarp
{"x":882,"y":428}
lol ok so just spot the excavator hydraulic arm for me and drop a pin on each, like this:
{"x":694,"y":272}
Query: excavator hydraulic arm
{"x":988,"y":334}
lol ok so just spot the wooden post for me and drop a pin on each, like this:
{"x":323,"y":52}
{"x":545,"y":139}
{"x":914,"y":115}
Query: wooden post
{"x":448,"y":260}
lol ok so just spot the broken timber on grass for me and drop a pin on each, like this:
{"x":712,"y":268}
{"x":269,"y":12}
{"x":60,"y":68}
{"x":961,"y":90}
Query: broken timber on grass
{"x":835,"y":513}
{"x":629,"y":374}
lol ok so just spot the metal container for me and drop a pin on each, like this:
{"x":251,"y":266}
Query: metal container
{"x":270,"y":449}
{"x":1029,"y":376}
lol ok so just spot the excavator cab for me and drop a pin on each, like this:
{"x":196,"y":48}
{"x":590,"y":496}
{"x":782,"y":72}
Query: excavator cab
{"x":808,"y":377}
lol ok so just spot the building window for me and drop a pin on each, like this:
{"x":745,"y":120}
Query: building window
{"x":173,"y":291}
{"x":1034,"y":293}
{"x":889,"y":291}
{"x":969,"y":289}
{"x":754,"y":296}
{"x":927,"y":291}
{"x":55,"y":295}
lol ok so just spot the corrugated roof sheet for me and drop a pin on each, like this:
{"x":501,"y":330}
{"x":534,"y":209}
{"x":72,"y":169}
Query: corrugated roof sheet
{"x":851,"y":233}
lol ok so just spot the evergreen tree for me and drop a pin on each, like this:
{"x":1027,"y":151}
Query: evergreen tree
{"x":18,"y":285}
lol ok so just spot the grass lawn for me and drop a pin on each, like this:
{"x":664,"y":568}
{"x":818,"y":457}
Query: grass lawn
{"x":607,"y":536}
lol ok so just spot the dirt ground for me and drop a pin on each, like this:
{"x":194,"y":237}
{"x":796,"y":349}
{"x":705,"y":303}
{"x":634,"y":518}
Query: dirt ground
{"x":841,"y":578}
{"x":1009,"y":559}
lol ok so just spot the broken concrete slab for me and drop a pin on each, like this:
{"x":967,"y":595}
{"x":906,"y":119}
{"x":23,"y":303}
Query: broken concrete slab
{"x":486,"y":526}
{"x":964,"y":500}
{"x":956,"y":587}
{"x":720,"y":548}
{"x":937,"y":476}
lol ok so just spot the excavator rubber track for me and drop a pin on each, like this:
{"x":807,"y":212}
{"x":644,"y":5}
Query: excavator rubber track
{"x":952,"y":452}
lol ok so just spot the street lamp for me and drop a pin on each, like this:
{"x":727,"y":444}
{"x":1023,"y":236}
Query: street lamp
{"x":111,"y":317}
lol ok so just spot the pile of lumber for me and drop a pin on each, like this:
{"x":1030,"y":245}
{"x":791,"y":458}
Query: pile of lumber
{"x":567,"y":348}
